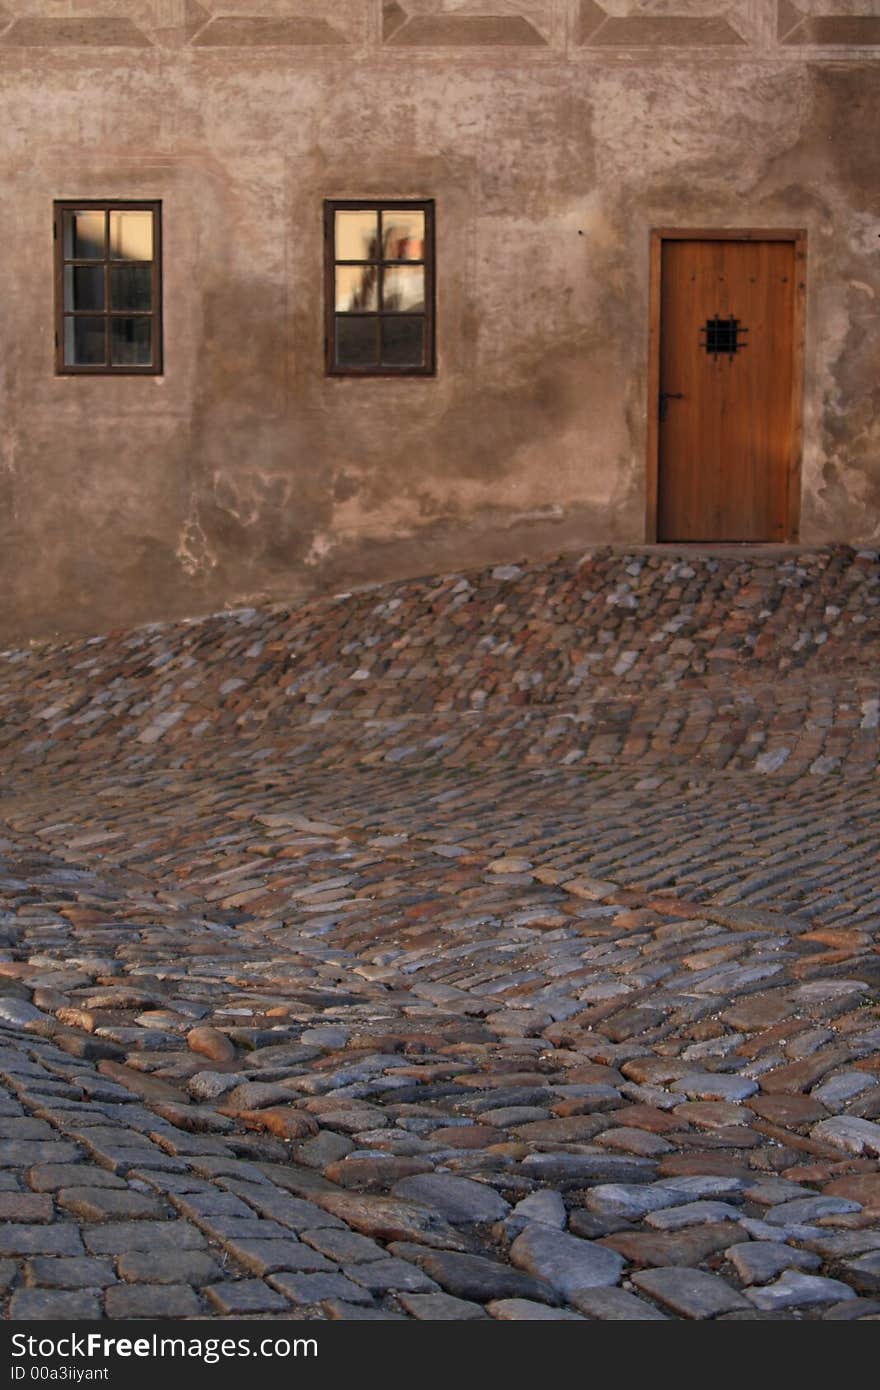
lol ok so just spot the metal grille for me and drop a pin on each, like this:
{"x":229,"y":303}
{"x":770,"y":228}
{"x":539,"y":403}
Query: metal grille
{"x":723,"y":337}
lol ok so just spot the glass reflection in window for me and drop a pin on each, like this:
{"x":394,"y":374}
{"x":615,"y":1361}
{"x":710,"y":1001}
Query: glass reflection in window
{"x":403,"y":287}
{"x":84,"y":236}
{"x":357,"y":288}
{"x":131,"y":236}
{"x":403,"y":235}
{"x":357,"y":236}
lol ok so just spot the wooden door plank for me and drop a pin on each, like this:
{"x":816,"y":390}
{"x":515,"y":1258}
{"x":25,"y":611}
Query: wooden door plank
{"x":799,"y":323}
{"x":656,"y":250}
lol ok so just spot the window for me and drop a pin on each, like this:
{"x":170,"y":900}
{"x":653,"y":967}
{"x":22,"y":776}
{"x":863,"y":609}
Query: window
{"x":379,"y":289}
{"x":108,"y":288}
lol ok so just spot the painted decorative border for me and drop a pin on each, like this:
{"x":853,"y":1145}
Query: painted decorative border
{"x":443,"y":30}
{"x":778,"y":26}
{"x":598,"y":29}
{"x":793,"y":27}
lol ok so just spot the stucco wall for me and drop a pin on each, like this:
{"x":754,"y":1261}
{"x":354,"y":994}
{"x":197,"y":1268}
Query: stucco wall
{"x":553,"y":136}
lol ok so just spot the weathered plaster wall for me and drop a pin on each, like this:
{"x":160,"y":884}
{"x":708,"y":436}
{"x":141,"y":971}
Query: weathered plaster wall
{"x":553,"y":135}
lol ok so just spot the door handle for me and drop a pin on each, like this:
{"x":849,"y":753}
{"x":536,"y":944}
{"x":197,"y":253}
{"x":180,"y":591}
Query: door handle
{"x":665,"y":398}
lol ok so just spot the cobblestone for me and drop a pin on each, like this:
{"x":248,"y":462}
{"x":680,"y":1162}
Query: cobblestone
{"x":759,"y":1261}
{"x":244,"y":1298}
{"x":566,"y":1262}
{"x":311,"y":1289}
{"x":49,"y":1304}
{"x":532,"y":974}
{"x":39,"y":1240}
{"x":795,"y":1290}
{"x":616,"y":1305}
{"x":98,"y":1204}
{"x":151,"y":1301}
{"x":690,"y":1292}
{"x":181,"y":1267}
{"x":456,"y":1199}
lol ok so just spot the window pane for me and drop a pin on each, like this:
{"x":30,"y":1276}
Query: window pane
{"x":130,"y":342}
{"x":403,"y":287}
{"x":131,"y":287}
{"x":84,"y":236}
{"x":356,"y":342}
{"x":403,"y":235}
{"x":403,"y":342}
{"x":357,"y":236}
{"x":83,"y":287}
{"x":84,"y":342}
{"x":131,"y":236}
{"x":357,"y":287}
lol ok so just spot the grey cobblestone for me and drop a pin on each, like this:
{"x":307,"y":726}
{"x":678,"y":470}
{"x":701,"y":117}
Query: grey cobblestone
{"x":39,"y":1240}
{"x":389,"y":1276}
{"x":151,"y":1301}
{"x":121,"y":1237}
{"x":46,"y":1304}
{"x":100,"y":1204}
{"x":440,"y":1307}
{"x":615,"y":1305}
{"x":343,"y":1245}
{"x":244,"y":1298}
{"x":25,"y":1206}
{"x":263,"y":1257}
{"x":319,"y":1288}
{"x":168,"y":1267}
{"x":83,"y":1272}
{"x":690,"y":1293}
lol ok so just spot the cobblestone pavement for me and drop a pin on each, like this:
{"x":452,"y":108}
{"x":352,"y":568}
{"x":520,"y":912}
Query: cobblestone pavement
{"x":501,"y":946}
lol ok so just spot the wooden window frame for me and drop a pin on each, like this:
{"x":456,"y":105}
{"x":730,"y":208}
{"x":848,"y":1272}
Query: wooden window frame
{"x":798,"y":237}
{"x":108,"y":205}
{"x":424,"y":205}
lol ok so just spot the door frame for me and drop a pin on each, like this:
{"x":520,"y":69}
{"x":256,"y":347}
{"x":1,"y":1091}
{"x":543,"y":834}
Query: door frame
{"x":798,"y":237}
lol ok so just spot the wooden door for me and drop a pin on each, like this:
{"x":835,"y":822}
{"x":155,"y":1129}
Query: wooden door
{"x":727,"y":438}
